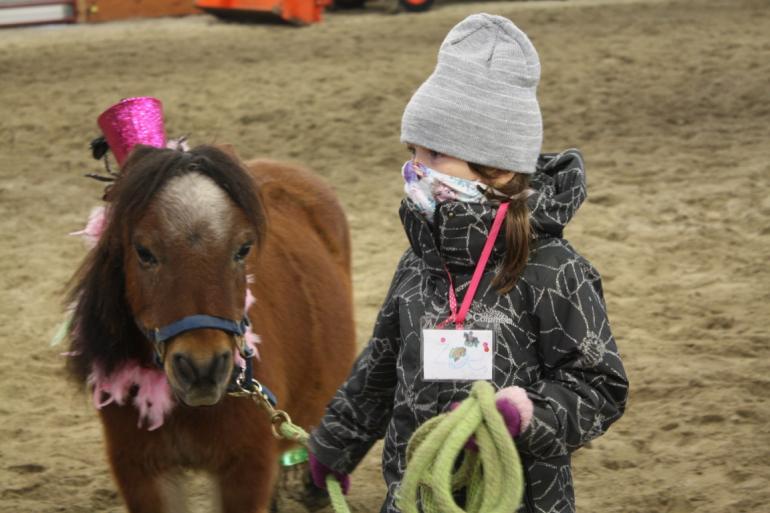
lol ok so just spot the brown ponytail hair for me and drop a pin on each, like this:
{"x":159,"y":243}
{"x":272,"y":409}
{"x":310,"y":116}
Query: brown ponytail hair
{"x":517,"y":229}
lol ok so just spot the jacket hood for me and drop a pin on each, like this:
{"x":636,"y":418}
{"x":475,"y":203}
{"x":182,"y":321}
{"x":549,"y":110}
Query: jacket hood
{"x":459,"y":230}
{"x":560,"y":188}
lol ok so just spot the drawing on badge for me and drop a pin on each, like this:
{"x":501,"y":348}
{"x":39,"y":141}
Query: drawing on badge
{"x":471,"y":340}
{"x":457,"y":353}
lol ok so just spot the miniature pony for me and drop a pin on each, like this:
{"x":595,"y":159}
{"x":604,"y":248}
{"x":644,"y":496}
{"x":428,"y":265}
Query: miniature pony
{"x":251,"y":249}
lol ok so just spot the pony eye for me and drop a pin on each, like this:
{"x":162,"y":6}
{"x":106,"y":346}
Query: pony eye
{"x":145,"y":255}
{"x":242,"y":252}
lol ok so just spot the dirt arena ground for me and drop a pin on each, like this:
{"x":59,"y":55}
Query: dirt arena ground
{"x":668,"y":100}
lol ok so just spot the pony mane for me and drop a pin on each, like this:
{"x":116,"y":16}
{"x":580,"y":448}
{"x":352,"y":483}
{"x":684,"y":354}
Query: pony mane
{"x":103,"y":331}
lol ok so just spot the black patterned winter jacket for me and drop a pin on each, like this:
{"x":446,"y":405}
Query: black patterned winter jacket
{"x":552,"y":338}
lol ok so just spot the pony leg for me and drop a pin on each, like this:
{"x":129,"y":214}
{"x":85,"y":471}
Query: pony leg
{"x":142,"y":493}
{"x":163,"y":493}
{"x":174,"y":493}
{"x":247,"y":486}
{"x":136,"y":461}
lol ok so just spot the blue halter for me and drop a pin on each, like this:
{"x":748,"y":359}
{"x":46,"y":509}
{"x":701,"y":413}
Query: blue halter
{"x":240,"y":377}
{"x":196,"y":322}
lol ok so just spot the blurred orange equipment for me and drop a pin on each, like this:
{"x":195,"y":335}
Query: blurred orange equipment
{"x":298,"y":12}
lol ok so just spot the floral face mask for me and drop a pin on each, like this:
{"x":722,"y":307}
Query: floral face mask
{"x":427,"y":187}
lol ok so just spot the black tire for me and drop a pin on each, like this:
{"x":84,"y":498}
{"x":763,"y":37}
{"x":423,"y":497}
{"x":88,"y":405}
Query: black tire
{"x":415,"y":5}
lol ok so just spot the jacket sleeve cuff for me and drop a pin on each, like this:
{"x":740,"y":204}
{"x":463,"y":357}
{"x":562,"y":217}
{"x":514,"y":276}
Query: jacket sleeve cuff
{"x":338,"y":457}
{"x":541,"y":438}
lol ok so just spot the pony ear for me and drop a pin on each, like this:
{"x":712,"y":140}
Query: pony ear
{"x":102,"y":333}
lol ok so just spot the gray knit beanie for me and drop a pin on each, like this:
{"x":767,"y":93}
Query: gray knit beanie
{"x":480,"y":103}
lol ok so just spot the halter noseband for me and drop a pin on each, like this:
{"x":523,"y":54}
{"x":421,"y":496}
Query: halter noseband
{"x":241,"y":377}
{"x":196,"y":322}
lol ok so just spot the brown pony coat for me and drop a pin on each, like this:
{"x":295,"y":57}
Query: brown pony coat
{"x":303,"y":315}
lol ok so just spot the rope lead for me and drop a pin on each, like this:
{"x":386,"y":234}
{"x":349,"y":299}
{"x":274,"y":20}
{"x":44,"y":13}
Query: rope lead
{"x":492,"y":478}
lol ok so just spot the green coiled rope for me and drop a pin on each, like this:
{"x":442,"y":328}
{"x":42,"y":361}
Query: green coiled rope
{"x":492,"y":477}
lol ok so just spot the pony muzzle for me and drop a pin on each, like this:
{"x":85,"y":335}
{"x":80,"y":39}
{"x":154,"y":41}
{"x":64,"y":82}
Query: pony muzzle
{"x":199,"y":365}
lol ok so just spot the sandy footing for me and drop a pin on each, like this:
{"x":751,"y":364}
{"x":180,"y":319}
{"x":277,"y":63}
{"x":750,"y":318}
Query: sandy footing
{"x":667,"y":99}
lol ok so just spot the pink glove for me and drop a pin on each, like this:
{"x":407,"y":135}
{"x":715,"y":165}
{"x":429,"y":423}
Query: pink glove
{"x":319,"y":471}
{"x":516,"y":409}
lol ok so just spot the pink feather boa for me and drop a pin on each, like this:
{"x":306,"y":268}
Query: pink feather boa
{"x":97,"y":222}
{"x":153,"y":398}
{"x":250,"y":338}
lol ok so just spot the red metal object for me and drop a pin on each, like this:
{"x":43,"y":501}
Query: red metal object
{"x":111,"y":10}
{"x":416,"y":5}
{"x":298,"y":12}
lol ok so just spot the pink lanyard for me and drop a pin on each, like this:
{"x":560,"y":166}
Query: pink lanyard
{"x":458,"y":316}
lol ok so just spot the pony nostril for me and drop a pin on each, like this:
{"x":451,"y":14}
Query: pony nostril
{"x":219,"y":366}
{"x":184,"y":369}
{"x":189,"y":374}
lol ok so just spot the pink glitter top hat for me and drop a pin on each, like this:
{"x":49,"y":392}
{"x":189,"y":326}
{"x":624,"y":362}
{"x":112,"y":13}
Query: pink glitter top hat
{"x":133,"y":121}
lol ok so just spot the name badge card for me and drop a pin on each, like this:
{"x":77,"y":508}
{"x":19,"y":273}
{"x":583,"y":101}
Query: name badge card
{"x":457,"y":355}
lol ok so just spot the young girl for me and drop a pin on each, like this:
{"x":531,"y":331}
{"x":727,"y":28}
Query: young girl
{"x":536,"y":324}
